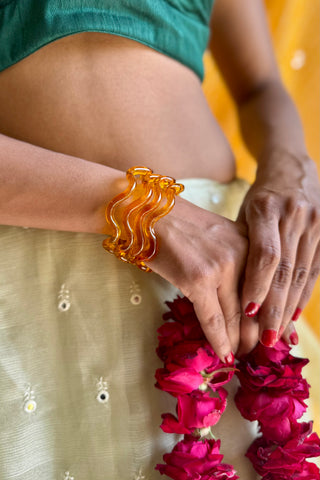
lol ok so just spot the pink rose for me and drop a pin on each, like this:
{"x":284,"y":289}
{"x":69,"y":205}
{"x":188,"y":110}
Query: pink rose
{"x":170,"y":424}
{"x":283,"y":377}
{"x":178,"y":382}
{"x":278,"y":429}
{"x":264,"y":407}
{"x":181,"y":352}
{"x":268,"y":409}
{"x":182,"y":311}
{"x":199,"y":410}
{"x":196,"y":410}
{"x":184,"y":327}
{"x":309,"y":471}
{"x":189,"y":365}
{"x":281,"y":430}
{"x":198,"y":355}
{"x":262,"y":355}
{"x":288,"y":459}
{"x":171,"y":333}
{"x":193,"y":459}
{"x":272,"y":368}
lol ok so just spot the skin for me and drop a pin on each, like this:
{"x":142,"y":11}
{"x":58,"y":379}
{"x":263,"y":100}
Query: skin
{"x":78,"y":113}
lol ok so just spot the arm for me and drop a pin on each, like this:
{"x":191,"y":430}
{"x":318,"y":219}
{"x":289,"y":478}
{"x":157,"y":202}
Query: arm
{"x":44,"y":189}
{"x":282,"y":208}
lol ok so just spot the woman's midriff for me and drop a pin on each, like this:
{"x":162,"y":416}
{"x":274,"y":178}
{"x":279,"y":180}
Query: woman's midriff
{"x":114,"y":101}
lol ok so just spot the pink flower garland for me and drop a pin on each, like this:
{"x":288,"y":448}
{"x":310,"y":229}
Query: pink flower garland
{"x":272,"y":391}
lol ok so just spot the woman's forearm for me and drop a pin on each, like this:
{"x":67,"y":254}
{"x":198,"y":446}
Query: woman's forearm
{"x":270,"y":122}
{"x":44,"y":189}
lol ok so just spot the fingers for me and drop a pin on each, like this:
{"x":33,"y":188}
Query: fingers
{"x":249,"y":335}
{"x":288,"y":332}
{"x":231,"y":309}
{"x":311,"y":280}
{"x":304,"y":276}
{"x":272,"y":311}
{"x":263,"y":259}
{"x":282,"y":267}
{"x":211,"y":318}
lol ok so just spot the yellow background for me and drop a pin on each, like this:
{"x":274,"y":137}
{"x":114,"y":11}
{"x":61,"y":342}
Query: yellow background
{"x":294,"y":26}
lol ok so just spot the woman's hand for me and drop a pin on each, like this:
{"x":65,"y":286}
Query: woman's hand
{"x":282,"y":214}
{"x":204,"y":255}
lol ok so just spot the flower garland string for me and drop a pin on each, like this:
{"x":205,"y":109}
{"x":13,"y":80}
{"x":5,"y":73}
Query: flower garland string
{"x":272,"y":391}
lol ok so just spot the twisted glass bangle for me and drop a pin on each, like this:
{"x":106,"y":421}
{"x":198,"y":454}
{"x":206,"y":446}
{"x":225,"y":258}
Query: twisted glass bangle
{"x":133,"y":213}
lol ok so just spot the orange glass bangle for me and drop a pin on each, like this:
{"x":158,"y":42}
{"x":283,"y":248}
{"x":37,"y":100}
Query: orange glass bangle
{"x":133,"y":213}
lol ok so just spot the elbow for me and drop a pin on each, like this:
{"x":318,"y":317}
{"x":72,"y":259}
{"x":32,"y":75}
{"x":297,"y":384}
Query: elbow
{"x":263,"y":88}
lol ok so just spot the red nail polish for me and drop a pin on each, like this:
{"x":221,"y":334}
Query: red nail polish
{"x":252,"y":309}
{"x":229,"y":359}
{"x":294,"y":339}
{"x":269,"y":337}
{"x":296,"y":314}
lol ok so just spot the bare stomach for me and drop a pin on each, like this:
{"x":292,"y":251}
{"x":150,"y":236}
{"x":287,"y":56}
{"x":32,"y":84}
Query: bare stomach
{"x":114,"y":101}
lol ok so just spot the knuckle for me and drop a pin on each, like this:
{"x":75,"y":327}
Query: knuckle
{"x":213,"y":323}
{"x":290,"y":309}
{"x":275,"y":313}
{"x":217,"y":320}
{"x":306,"y":294}
{"x":229,"y":258}
{"x":254,"y":290}
{"x":314,"y":272}
{"x":233,"y":320}
{"x":300,"y":275}
{"x":200,"y":274}
{"x":266,"y":256}
{"x":296,"y":206}
{"x":262,"y":205}
{"x":282,"y":274}
{"x":227,"y":261}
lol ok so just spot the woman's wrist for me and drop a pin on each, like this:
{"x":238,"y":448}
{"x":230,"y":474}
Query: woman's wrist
{"x":276,"y":161}
{"x":186,"y":217}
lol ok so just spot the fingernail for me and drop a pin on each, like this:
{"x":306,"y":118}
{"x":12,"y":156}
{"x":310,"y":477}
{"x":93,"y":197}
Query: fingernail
{"x":296,"y":314}
{"x":252,"y":309}
{"x":269,"y":337}
{"x":281,"y":330}
{"x":229,"y":359}
{"x":294,"y":339}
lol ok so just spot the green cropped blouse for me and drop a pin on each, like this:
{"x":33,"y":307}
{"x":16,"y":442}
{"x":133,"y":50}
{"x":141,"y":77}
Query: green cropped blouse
{"x":177,"y":28}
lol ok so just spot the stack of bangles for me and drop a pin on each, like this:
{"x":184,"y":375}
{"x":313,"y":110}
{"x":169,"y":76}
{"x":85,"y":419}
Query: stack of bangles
{"x":134,"y":212}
